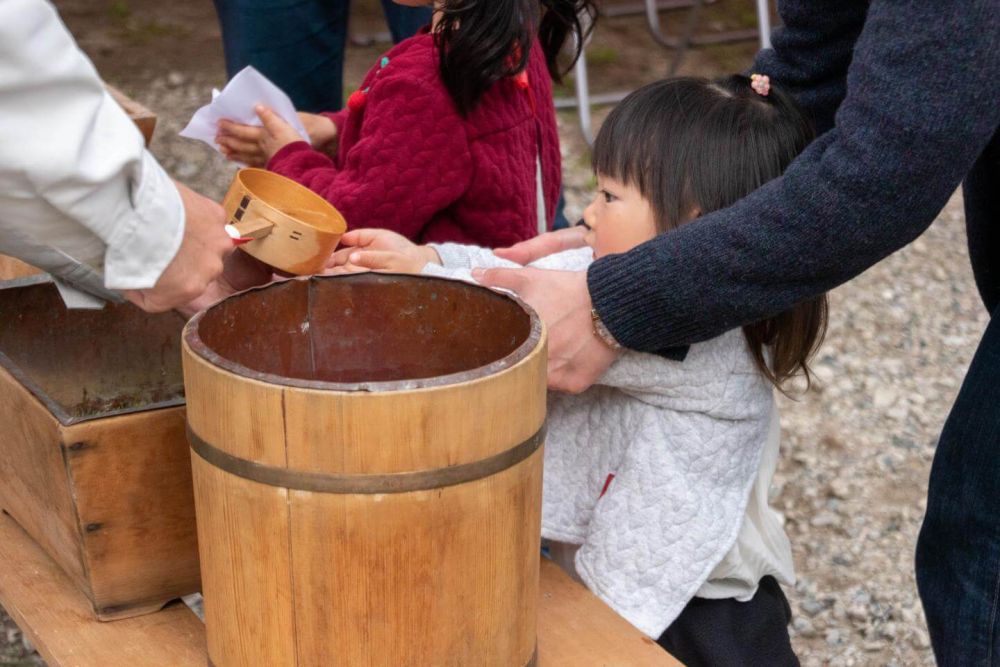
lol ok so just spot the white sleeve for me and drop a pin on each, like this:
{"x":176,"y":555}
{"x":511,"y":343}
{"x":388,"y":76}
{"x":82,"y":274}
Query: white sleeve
{"x":457,"y":261}
{"x":459,"y":256}
{"x":79,"y":194}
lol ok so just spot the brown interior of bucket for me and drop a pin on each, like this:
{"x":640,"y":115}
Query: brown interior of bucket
{"x":365,"y":328}
{"x":85,"y":364}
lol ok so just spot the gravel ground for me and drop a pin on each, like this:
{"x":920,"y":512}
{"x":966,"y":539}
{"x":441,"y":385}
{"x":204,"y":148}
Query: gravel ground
{"x":857,"y":448}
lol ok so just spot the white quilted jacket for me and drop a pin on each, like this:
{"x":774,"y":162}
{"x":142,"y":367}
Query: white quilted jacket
{"x":684,"y":443}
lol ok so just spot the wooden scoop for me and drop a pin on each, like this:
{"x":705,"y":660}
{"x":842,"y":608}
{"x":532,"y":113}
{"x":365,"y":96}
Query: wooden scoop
{"x":282,"y":223}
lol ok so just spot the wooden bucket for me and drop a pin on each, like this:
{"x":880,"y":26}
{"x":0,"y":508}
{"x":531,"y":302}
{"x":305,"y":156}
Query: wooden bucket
{"x":368,"y":472}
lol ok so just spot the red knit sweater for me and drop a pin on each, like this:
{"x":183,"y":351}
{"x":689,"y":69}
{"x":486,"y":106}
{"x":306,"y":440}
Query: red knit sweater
{"x":409,"y":162}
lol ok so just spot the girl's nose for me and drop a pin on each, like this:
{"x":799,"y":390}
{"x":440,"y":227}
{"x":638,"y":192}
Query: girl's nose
{"x":590,"y":215}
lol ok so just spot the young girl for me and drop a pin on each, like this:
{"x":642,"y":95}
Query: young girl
{"x":656,"y":479}
{"x":452,"y":134}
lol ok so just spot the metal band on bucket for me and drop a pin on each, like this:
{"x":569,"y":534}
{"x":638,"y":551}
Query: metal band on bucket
{"x":400,"y":482}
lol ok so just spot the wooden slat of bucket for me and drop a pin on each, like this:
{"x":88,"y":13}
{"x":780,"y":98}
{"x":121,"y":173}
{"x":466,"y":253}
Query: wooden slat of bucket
{"x":386,"y":557}
{"x":246,"y":580}
{"x":245,"y":416}
{"x":400,"y":431}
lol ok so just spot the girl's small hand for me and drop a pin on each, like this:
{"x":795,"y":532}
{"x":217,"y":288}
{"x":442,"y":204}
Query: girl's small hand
{"x":241,"y":143}
{"x":254,"y":146}
{"x":322,"y":132}
{"x":391,"y":261}
{"x":381,"y":240}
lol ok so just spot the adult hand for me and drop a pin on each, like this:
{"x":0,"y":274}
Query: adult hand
{"x":198,"y":260}
{"x":544,"y":245}
{"x":577,"y":357}
{"x":240,"y":271}
{"x":253,"y":145}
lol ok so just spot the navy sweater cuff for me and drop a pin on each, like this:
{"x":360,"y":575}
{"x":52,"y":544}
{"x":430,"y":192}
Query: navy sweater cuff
{"x":616,"y":290}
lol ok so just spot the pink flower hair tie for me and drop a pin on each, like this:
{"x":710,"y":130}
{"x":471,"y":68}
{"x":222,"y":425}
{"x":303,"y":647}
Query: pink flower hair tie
{"x":761,"y":84}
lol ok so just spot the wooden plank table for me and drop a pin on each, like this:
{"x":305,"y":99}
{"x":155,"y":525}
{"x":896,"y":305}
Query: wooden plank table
{"x":574,"y":627}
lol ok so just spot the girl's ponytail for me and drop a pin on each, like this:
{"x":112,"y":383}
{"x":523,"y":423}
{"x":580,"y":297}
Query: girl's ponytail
{"x":561,"y":19}
{"x":792,"y":337}
{"x":483,"y":41}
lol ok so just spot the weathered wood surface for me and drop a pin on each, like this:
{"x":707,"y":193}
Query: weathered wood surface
{"x":57,"y":618}
{"x":109,"y":500}
{"x":131,"y":481}
{"x":575,"y":629}
{"x":34,"y":487}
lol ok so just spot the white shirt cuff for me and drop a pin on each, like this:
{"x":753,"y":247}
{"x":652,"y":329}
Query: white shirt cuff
{"x":142,"y":246}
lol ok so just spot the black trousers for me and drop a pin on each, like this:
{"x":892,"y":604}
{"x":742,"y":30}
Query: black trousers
{"x":720,"y":633}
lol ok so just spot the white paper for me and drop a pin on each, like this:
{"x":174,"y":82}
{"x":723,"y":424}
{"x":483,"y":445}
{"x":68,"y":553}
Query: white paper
{"x":236,"y":103}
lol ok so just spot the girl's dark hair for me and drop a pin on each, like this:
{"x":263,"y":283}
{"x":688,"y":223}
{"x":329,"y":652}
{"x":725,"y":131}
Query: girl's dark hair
{"x":692,"y":146}
{"x":483,"y":41}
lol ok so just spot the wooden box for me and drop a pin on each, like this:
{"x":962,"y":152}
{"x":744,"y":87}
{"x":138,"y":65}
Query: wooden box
{"x":94,"y":460}
{"x":11,"y":267}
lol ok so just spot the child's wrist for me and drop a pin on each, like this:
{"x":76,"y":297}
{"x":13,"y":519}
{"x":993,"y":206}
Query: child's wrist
{"x":429,"y":255}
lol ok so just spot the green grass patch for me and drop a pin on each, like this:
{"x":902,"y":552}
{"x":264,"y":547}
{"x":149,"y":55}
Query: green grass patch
{"x":119,"y":10}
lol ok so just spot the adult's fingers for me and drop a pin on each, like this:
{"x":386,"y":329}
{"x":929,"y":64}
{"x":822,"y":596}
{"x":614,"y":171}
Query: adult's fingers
{"x":514,"y":280}
{"x":577,"y":357}
{"x":198,"y":261}
{"x":136,"y":297}
{"x":543,"y":245}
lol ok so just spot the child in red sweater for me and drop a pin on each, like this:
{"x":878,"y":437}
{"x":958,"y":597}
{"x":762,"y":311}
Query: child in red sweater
{"x":452,"y":134}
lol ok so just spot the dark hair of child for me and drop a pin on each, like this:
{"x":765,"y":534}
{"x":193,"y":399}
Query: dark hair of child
{"x":484,"y":41}
{"x":692,"y":146}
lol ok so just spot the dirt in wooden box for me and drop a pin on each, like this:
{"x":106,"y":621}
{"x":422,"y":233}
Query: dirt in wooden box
{"x":130,"y":401}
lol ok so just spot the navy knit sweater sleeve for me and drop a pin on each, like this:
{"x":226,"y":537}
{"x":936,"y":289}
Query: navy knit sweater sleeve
{"x":921,"y":102}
